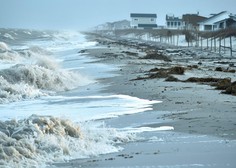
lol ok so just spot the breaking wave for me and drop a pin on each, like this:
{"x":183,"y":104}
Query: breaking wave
{"x":6,"y":54}
{"x":34,"y":73}
{"x":4,"y":46}
{"x":40,"y":140}
{"x":29,"y":81}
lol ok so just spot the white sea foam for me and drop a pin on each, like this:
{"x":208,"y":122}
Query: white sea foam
{"x":7,"y":54}
{"x":4,"y":46}
{"x":32,"y":72}
{"x":35,"y":140}
{"x":38,"y":140}
{"x":34,"y":77}
{"x":148,"y":129}
{"x":15,"y":92}
{"x":8,"y":36}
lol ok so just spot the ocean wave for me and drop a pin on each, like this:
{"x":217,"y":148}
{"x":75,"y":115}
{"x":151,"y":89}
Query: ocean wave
{"x":14,"y":36}
{"x":21,"y":55}
{"x":8,"y":36}
{"x":37,"y":55}
{"x":20,"y":81}
{"x":31,"y":73}
{"x":7,"y":54}
{"x":4,"y":46}
{"x":40,"y":77}
{"x":40,"y":140}
{"x":16,"y":92}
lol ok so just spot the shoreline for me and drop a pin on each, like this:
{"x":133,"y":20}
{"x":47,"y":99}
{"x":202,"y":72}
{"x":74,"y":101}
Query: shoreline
{"x":203,"y":134}
{"x":192,"y":107}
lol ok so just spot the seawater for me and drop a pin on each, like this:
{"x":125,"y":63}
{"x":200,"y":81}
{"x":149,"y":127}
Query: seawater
{"x":51,"y":107}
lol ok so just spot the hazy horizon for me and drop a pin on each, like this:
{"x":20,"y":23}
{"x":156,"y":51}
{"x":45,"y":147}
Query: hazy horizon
{"x":85,"y":14}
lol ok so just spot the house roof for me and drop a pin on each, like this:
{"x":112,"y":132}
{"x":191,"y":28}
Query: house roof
{"x":193,"y":19}
{"x":214,"y":17}
{"x":233,"y":17}
{"x":143,"y":15}
{"x":227,"y":19}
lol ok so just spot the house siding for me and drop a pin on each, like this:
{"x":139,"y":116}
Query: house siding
{"x":137,"y":20}
{"x":210,"y":23}
{"x":174,"y":22}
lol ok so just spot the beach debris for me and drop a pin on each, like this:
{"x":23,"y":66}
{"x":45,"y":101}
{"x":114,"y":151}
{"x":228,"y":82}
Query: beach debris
{"x":177,"y":70}
{"x":199,"y":63}
{"x":231,"y":89}
{"x":209,"y":80}
{"x":82,"y":51}
{"x":157,"y":56}
{"x":224,"y":84}
{"x":231,"y":64}
{"x":130,"y":53}
{"x":163,"y":72}
{"x":125,"y":156}
{"x":110,"y":159}
{"x":221,"y":69}
{"x":171,"y":79}
{"x":190,"y":67}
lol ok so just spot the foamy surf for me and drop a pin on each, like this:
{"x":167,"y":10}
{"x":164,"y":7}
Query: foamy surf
{"x":34,"y":79}
{"x":45,"y":117}
{"x":79,"y":109}
{"x":40,"y":140}
{"x":32,"y":72}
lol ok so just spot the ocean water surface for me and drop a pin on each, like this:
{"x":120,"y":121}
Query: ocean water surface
{"x":50,"y":101}
{"x":52,"y":110}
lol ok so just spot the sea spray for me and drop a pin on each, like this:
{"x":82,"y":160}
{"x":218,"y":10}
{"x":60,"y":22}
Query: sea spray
{"x":36,"y":138}
{"x":34,"y":73}
{"x":16,"y":92}
{"x":4,"y":46}
{"x":35,"y":77}
{"x":7,"y":54}
{"x":40,"y":140}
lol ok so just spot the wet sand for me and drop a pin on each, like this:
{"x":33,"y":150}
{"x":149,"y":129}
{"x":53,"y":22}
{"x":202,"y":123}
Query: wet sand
{"x":203,"y":118}
{"x":190,"y":107}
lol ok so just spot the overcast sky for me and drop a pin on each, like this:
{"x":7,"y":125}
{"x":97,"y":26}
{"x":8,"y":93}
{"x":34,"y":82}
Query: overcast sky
{"x":82,"y":14}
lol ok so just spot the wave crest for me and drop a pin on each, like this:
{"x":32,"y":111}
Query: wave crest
{"x":38,"y":140}
{"x":30,"y":81}
{"x":35,"y":139}
{"x":4,"y":46}
{"x":39,"y":77}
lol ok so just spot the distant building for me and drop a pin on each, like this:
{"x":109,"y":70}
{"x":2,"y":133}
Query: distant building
{"x":143,"y":21}
{"x":191,"y":21}
{"x":173,"y":22}
{"x":218,"y":21}
{"x":123,"y":24}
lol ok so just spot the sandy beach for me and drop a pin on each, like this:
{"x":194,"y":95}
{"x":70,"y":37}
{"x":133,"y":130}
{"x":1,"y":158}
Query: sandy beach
{"x":202,"y":116}
{"x":191,"y":107}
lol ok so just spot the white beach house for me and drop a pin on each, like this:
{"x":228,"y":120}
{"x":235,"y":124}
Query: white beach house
{"x":143,"y":20}
{"x":173,"y":22}
{"x":218,"y":21}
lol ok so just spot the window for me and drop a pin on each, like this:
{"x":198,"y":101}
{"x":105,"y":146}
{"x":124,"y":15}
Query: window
{"x":222,"y":25}
{"x":136,"y":19}
{"x":152,"y":20}
{"x":207,"y":27}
